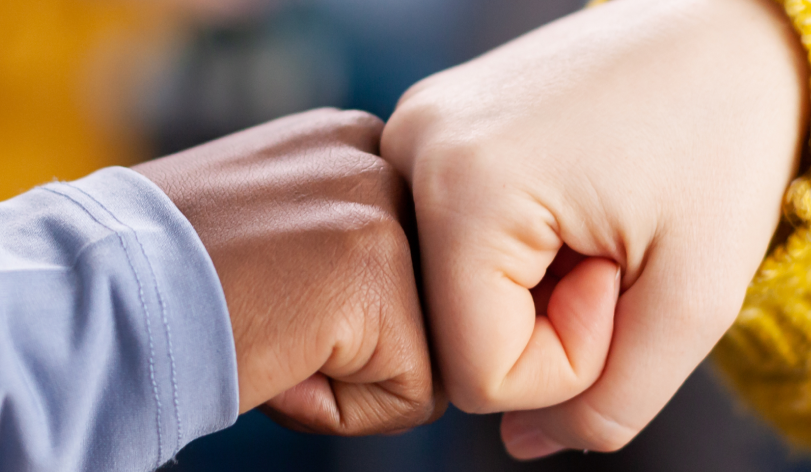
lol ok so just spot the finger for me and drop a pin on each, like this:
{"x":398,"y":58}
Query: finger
{"x":390,"y":391}
{"x":378,"y":377}
{"x":665,"y":324}
{"x":564,"y":262}
{"x":308,"y":407}
{"x":495,"y":353}
{"x":326,"y":406}
{"x":569,"y":345}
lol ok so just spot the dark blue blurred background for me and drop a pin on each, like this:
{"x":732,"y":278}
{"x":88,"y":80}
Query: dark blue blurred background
{"x":700,"y":430}
{"x":363,"y":54}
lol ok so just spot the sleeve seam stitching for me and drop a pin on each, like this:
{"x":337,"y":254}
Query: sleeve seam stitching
{"x":125,"y":248}
{"x":164,"y":318}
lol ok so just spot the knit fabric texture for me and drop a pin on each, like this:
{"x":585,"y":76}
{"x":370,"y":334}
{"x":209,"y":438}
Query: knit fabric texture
{"x":766,"y":354}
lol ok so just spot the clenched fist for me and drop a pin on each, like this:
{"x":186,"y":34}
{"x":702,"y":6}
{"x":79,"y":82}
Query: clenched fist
{"x":659,"y":135}
{"x":304,"y":225}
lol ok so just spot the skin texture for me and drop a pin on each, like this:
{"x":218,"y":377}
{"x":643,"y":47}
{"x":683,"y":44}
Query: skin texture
{"x":656,"y":134}
{"x":303,"y":222}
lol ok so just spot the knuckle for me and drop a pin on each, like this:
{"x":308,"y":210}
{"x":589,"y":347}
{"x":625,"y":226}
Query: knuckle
{"x":403,"y":131}
{"x":419,"y":401}
{"x":386,"y":187}
{"x":333,"y":128}
{"x":414,"y":90}
{"x":456,"y":173}
{"x":380,"y":242}
{"x":359,"y":124}
{"x":362,"y":119}
{"x":414,"y":391}
{"x":368,"y":179}
{"x":348,"y":333}
{"x":600,"y":432}
{"x":479,"y":398}
{"x":415,"y":410}
{"x":340,"y":117}
{"x":390,"y":406}
{"x":413,"y":109}
{"x":378,"y":260}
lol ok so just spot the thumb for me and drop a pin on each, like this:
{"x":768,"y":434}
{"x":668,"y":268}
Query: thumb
{"x":581,"y":311}
{"x":562,"y":357}
{"x":575,"y":316}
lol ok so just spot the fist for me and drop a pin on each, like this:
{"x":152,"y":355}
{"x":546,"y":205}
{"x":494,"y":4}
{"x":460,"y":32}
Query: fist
{"x":653,"y":136}
{"x":304,"y":224}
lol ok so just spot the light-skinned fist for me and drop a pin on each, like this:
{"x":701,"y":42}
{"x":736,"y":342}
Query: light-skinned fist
{"x":653,"y":136}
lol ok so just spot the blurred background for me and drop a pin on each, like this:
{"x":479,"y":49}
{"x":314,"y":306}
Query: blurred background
{"x":91,"y":83}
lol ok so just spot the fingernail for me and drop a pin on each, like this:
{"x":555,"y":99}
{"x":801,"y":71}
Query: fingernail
{"x":532,"y":445}
{"x":617,"y":283}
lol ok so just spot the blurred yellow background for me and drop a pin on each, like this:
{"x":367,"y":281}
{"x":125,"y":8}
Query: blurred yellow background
{"x":67,"y":69}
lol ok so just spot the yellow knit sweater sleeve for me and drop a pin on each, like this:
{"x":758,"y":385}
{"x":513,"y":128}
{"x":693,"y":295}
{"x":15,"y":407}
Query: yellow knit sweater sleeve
{"x":766,"y":354}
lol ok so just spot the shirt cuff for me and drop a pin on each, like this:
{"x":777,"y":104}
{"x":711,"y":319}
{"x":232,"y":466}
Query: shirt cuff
{"x":193,"y":360}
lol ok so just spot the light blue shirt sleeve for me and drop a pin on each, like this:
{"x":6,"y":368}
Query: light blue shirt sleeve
{"x":115,"y":342}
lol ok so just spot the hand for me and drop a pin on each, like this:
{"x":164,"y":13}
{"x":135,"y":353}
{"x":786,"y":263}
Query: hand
{"x":656,"y":134}
{"x":303,"y":223}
